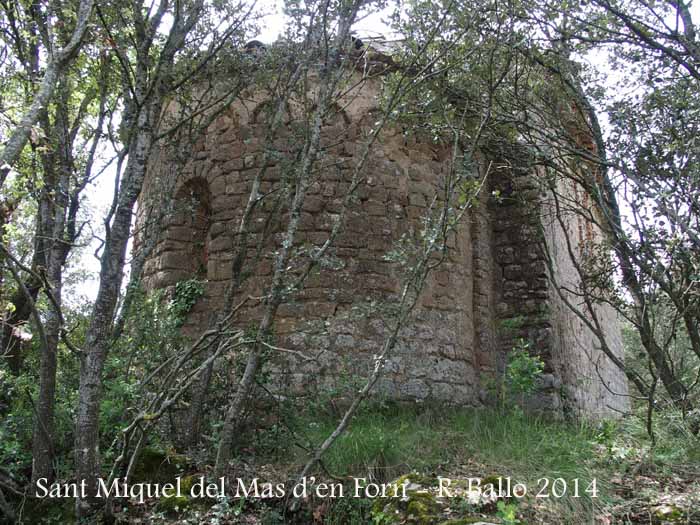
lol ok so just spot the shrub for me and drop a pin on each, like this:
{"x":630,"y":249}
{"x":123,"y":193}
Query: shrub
{"x":523,"y":370}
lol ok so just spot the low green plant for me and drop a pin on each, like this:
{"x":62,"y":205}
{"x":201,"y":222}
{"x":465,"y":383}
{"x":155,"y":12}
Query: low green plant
{"x":523,"y":370}
{"x":272,"y":517}
{"x":348,"y":511}
{"x":369,"y":450}
{"x":506,"y":511}
{"x":512,"y":324}
{"x":186,"y":295}
{"x":463,"y":505}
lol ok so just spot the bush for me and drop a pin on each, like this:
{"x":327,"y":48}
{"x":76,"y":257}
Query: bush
{"x":523,"y":370}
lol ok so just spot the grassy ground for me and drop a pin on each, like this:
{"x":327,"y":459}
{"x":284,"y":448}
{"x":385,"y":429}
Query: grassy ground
{"x":635,"y":482}
{"x":459,"y":444}
{"x":633,"y":479}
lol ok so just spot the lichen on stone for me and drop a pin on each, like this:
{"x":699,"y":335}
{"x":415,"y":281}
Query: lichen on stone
{"x":423,"y":503}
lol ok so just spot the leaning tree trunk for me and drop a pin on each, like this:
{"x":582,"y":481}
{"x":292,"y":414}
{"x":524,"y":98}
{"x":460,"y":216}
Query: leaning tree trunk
{"x":42,"y":442}
{"x":10,"y":342}
{"x":98,"y":337}
{"x":59,"y":239}
{"x":141,"y":116}
{"x":239,"y":402}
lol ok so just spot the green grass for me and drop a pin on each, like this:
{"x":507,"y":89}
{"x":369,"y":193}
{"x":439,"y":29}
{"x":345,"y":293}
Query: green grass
{"x":383,"y":443}
{"x":388,"y":440}
{"x":428,"y":438}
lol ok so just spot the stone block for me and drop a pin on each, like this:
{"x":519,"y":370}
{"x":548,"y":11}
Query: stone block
{"x":218,"y":270}
{"x":414,"y":389}
{"x":227,"y":152}
{"x":313,"y":203}
{"x":513,"y":271}
{"x":537,"y":268}
{"x":417,"y":199}
{"x":232,"y":165}
{"x":505,"y":255}
{"x":180,"y":260}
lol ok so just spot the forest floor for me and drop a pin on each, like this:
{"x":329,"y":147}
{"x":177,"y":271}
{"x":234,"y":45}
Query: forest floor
{"x":574,"y":474}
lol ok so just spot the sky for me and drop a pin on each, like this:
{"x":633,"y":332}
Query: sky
{"x":273,"y":24}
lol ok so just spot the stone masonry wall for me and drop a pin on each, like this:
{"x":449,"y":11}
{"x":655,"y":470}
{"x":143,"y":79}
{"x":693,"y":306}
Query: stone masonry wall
{"x":463,"y":327}
{"x":578,"y":378}
{"x":591,"y":385}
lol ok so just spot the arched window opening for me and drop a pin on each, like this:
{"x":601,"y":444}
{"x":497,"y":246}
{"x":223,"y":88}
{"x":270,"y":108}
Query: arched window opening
{"x":190,"y":226}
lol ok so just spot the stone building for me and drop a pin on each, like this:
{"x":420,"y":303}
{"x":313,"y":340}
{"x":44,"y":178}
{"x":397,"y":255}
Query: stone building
{"x":492,"y":289}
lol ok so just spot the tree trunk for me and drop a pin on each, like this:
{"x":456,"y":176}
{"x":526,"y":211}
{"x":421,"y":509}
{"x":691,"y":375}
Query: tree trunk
{"x":11,"y":347}
{"x":58,"y":242}
{"x":237,"y":406}
{"x":42,"y":442}
{"x":98,"y":338}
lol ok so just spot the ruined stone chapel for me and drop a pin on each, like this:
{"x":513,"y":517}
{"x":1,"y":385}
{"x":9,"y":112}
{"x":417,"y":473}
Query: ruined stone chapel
{"x":493,"y":289}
